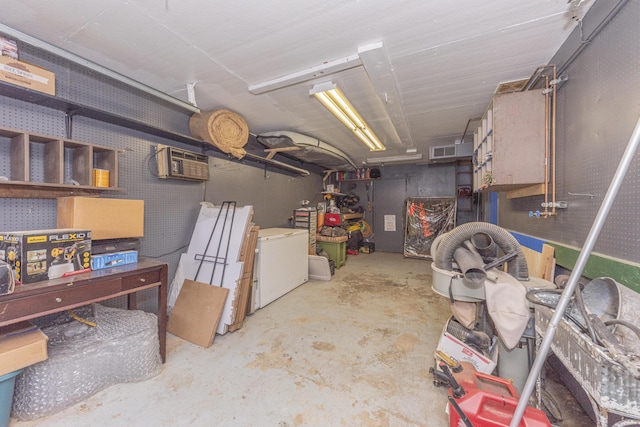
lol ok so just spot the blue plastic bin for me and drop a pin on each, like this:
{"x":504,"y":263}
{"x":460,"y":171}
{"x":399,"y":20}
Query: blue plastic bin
{"x":7,"y":382}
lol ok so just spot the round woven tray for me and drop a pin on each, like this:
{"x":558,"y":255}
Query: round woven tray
{"x":222,"y":128}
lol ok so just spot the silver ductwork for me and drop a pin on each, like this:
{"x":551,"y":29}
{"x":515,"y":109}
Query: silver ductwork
{"x":443,"y":254}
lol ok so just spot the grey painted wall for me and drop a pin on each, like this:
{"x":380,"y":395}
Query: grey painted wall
{"x":429,"y":180}
{"x":597,"y":110}
{"x":171,"y":207}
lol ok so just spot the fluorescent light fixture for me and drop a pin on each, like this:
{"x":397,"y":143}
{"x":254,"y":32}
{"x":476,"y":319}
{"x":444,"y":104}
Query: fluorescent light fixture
{"x":323,"y":69}
{"x":330,"y":96}
{"x":394,"y":159}
{"x":378,"y":67}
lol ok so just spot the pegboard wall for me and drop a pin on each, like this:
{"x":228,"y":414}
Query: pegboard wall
{"x":171,"y":206}
{"x":597,"y":111}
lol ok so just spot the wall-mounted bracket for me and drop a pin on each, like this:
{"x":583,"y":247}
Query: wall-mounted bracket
{"x":557,"y":205}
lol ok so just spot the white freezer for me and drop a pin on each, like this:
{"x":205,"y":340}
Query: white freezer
{"x":281,"y":265}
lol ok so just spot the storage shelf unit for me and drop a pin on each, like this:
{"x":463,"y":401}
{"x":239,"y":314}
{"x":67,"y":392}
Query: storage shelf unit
{"x":307,"y":218}
{"x":509,"y":143}
{"x":43,"y":166}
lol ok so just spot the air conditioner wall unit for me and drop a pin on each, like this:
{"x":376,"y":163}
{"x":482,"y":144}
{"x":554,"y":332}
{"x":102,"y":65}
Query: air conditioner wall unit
{"x":182,"y":164}
{"x":449,"y":153}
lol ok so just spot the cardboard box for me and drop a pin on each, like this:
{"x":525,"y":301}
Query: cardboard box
{"x":46,"y":254}
{"x":26,"y":75}
{"x":10,"y":253}
{"x":106,"y":218}
{"x":22,"y":348}
{"x":8,"y":47}
{"x":456,"y":349}
{"x":101,"y":261}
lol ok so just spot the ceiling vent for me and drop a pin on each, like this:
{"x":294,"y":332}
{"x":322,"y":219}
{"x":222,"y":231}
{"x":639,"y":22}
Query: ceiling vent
{"x":512,"y":86}
{"x":447,"y":153}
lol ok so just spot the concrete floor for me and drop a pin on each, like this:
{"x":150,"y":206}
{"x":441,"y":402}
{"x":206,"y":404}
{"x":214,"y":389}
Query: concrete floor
{"x":353,"y":351}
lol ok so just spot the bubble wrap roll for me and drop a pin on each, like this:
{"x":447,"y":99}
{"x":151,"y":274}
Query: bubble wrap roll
{"x":83,"y":360}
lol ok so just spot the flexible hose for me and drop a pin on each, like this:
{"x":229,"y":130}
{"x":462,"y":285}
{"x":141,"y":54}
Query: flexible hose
{"x":588,"y":329}
{"x":485,"y":245}
{"x":470,"y":265}
{"x":504,"y":240}
{"x":585,"y":315}
{"x":532,"y":299}
{"x":629,"y":325}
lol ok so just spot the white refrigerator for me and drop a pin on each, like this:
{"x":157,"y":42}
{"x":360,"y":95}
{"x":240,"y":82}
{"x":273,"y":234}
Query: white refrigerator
{"x":281,"y":264}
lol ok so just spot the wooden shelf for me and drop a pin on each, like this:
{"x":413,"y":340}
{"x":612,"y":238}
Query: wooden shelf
{"x":72,"y":108}
{"x":42,"y":190}
{"x":349,"y":216}
{"x":42,"y":166}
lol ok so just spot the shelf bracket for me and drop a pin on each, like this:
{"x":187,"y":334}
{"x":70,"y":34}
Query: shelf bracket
{"x":273,"y":151}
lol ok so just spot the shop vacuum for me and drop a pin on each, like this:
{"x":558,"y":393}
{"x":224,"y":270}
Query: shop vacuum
{"x":481,"y":400}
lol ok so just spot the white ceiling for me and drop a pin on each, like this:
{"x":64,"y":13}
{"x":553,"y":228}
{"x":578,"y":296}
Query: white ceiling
{"x":446,"y":57}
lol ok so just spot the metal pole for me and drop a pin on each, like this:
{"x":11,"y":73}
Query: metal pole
{"x":592,"y":237}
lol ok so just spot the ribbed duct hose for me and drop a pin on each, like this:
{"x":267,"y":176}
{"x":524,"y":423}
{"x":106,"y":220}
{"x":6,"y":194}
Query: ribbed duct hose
{"x":470,"y":264}
{"x":485,"y":245}
{"x":478,"y":339}
{"x":443,"y":258}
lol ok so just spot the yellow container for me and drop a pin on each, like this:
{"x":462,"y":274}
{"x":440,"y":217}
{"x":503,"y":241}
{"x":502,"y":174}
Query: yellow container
{"x":100,"y":178}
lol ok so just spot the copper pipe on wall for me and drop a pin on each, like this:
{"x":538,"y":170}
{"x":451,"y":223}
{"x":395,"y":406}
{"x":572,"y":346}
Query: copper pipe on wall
{"x":550,"y":134}
{"x":546,"y":146}
{"x":553,"y":140}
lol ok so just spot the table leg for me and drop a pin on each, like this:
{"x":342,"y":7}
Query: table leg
{"x":132,"y":301}
{"x":162,"y":313}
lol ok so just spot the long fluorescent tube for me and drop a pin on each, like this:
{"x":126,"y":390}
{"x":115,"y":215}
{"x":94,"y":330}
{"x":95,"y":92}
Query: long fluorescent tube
{"x":330,"y":96}
{"x":394,"y":159}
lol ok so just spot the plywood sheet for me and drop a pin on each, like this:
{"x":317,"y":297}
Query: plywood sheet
{"x":241,"y":303}
{"x":197,"y":312}
{"x":540,"y":264}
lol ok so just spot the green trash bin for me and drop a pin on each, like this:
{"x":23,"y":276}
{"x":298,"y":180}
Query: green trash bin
{"x":337,"y":251}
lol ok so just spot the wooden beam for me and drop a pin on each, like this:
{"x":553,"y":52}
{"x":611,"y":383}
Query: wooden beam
{"x":533,"y":190}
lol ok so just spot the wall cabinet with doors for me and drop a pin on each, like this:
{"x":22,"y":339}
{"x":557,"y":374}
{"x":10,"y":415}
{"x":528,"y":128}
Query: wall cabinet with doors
{"x":509,"y":143}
